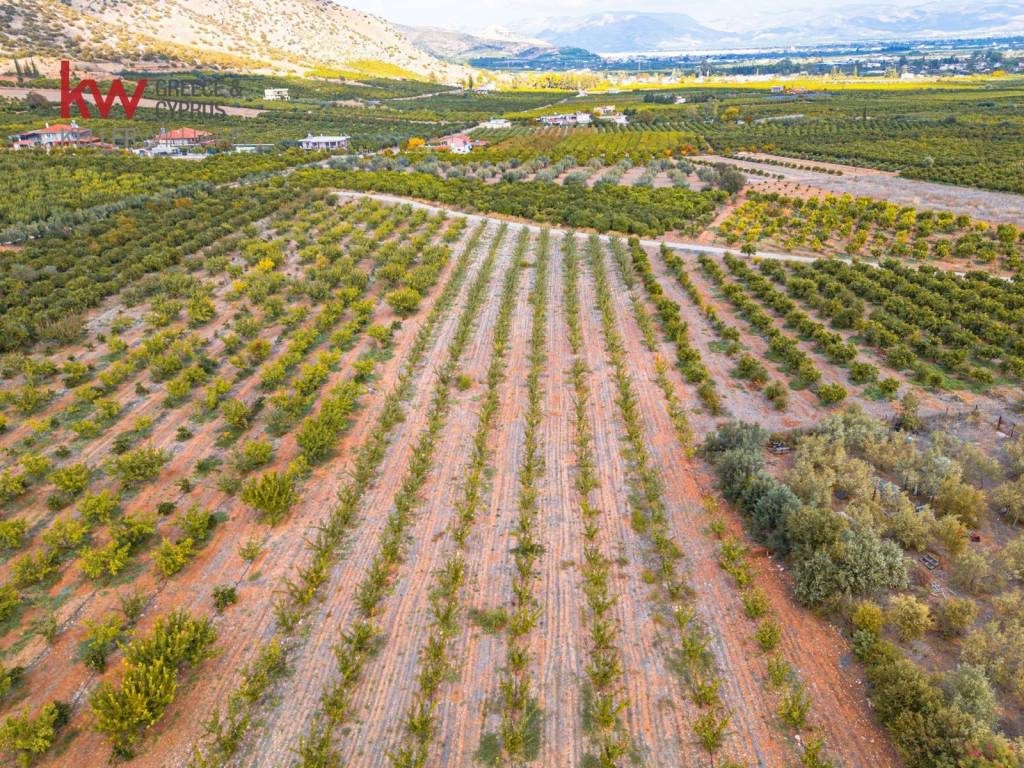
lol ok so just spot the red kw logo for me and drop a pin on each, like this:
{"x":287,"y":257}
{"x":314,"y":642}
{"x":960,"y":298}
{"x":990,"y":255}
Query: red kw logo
{"x":76,"y":95}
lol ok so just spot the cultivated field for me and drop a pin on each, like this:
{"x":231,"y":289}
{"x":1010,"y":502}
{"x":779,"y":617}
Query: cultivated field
{"x":358,"y":482}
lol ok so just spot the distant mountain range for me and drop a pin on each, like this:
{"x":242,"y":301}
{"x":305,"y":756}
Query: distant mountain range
{"x":462,"y":46}
{"x":638,"y":31}
{"x":617,"y":31}
{"x":496,"y":49}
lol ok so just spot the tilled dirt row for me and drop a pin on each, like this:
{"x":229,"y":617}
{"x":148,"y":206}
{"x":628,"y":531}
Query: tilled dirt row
{"x":752,"y":739}
{"x":559,"y":642}
{"x":479,"y":656}
{"x":381,"y":699}
{"x":658,"y":716}
{"x":408,"y":625}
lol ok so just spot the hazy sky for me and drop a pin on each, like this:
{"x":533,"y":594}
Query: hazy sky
{"x":473,"y":15}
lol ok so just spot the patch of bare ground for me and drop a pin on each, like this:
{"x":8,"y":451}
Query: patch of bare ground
{"x":983,"y":204}
{"x":463,"y":710}
{"x":707,"y":237}
{"x":558,"y":643}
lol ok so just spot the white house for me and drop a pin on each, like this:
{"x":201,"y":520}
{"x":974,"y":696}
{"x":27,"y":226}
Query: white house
{"x":159,"y":151}
{"x":319,"y":143}
{"x":460,"y":143}
{"x":608,"y":109}
{"x":680,"y":99}
{"x":570,"y":119}
{"x":554,"y":119}
{"x":497,"y":123}
{"x":276,"y":94}
{"x":457,"y":144}
{"x":615,"y":119}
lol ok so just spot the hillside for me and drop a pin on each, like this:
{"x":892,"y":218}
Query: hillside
{"x":280,"y":34}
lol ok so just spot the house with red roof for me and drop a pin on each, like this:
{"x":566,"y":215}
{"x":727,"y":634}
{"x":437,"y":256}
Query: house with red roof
{"x":183,"y":138}
{"x":458,"y":144}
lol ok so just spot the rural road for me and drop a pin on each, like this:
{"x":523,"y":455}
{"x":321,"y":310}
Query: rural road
{"x":686,"y":247}
{"x":680,"y":246}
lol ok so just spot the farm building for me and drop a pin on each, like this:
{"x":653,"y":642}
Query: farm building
{"x":242,"y":149}
{"x":276,"y":94}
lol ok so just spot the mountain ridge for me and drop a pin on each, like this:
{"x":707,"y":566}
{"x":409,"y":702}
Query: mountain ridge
{"x":612,"y":32}
{"x":287,"y":35}
{"x":461,"y":46}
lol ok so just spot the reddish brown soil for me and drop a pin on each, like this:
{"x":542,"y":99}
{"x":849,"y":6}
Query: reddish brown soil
{"x":463,"y":710}
{"x":253,"y":621}
{"x":380,"y":706}
{"x":814,"y":649}
{"x":53,"y":671}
